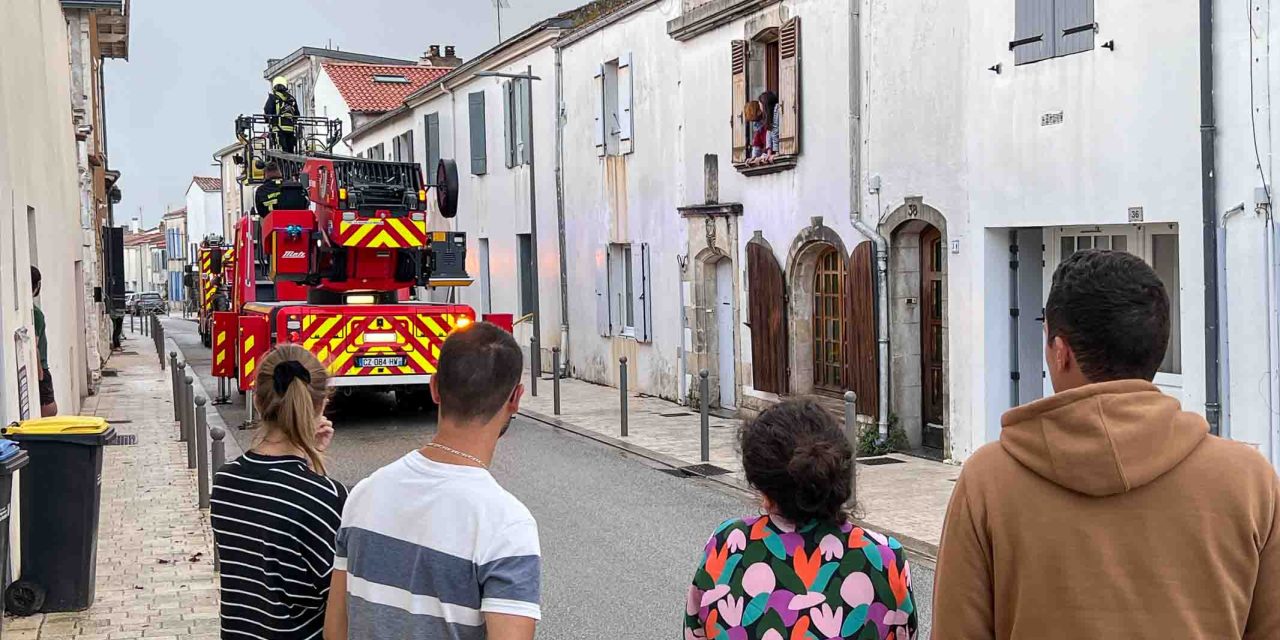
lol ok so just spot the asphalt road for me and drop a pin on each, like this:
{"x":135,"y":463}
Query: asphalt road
{"x":620,"y":539}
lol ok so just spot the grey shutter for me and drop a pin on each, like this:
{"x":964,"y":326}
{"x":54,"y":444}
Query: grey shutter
{"x":739,"y":83}
{"x":1033,"y":34}
{"x":626,"y":96}
{"x":432,"y":127}
{"x":598,"y":133}
{"x":640,"y":279}
{"x":508,"y":122}
{"x":603,"y":324}
{"x":475,"y":110}
{"x":521,"y":110}
{"x":1074,"y":26}
{"x":408,"y":143}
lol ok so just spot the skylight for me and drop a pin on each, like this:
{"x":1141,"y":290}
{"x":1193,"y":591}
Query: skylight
{"x":391,"y":79}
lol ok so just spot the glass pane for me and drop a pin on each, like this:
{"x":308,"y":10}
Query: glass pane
{"x":1164,"y":259}
{"x":937,"y":346}
{"x":1084,"y":243}
{"x":937,"y":255}
{"x":1066,"y":247}
{"x":629,"y":303}
{"x":937,"y":299}
{"x":1102,"y":242}
{"x":1120,"y":243}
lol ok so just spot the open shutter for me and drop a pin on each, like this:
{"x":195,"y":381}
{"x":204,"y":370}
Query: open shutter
{"x":475,"y":114}
{"x":521,"y":110}
{"x":1033,"y":34}
{"x":789,"y":87}
{"x":860,"y":330}
{"x":604,"y":325}
{"x":767,"y":304}
{"x":508,"y":123}
{"x":626,"y":96}
{"x":1073,"y":26}
{"x":432,"y":143}
{"x":598,"y":133}
{"x":640,"y":280}
{"x":740,"y":141}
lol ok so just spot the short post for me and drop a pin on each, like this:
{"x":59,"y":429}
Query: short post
{"x":146,"y":326}
{"x":202,"y":453}
{"x":179,"y":373}
{"x":133,"y":324}
{"x":704,"y":393}
{"x":534,"y":356}
{"x":555,"y":380}
{"x":851,"y":419}
{"x":218,"y":451}
{"x":160,"y":344}
{"x":248,"y":408}
{"x":622,"y":391}
{"x":189,"y":433}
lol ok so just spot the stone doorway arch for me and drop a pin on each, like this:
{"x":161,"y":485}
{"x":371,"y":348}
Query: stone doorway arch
{"x":814,"y":242}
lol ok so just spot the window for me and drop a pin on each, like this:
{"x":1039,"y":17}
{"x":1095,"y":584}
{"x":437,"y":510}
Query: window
{"x":623,"y":292}
{"x":486,"y":287}
{"x":475,"y":117}
{"x":1046,"y":29}
{"x":1164,"y":259}
{"x":524,"y":256}
{"x":376,"y":152}
{"x":829,"y":321}
{"x":767,"y":63}
{"x":515,"y":108}
{"x":390,"y":79}
{"x":402,"y":147}
{"x":614,"y":118}
{"x":431,"y":144}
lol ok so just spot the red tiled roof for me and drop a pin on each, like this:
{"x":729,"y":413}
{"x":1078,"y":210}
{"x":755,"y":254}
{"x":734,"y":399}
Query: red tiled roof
{"x":208,"y":184}
{"x":364,"y":94}
{"x":176,"y":213}
{"x":144,"y":237}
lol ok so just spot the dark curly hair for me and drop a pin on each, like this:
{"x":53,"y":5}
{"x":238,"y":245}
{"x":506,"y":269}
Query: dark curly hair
{"x":796,"y":455}
{"x":1114,"y":312}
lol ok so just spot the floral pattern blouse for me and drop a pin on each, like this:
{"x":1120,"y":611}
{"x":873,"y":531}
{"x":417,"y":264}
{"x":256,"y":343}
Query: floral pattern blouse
{"x":762,"y":578}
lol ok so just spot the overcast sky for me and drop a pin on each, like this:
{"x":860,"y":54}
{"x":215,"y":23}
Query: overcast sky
{"x":194,"y":66}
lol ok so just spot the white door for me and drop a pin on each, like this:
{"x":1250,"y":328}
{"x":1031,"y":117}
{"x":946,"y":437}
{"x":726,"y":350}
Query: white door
{"x":724,"y":329}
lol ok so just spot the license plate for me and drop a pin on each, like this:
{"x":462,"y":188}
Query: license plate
{"x":380,"y":361}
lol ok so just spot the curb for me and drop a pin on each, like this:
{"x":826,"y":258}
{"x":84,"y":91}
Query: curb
{"x":923,"y":551}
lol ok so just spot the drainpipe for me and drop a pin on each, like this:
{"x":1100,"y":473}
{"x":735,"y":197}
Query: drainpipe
{"x":1015,"y":310}
{"x":1209,"y":189}
{"x":1224,"y":429}
{"x":564,"y":264}
{"x":1271,"y":263}
{"x":855,"y":217}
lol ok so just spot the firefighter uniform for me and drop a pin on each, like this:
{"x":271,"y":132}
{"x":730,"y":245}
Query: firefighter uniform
{"x":272,"y":195}
{"x":281,"y":110}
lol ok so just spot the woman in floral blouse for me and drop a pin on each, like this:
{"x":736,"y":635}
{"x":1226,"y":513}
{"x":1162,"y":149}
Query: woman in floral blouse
{"x":802,"y":571}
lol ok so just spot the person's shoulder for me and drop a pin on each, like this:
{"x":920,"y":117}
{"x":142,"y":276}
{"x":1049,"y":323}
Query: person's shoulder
{"x":1247,"y":464}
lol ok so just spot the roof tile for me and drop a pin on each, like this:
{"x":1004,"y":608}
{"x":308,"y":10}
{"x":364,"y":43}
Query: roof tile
{"x":364,"y":94}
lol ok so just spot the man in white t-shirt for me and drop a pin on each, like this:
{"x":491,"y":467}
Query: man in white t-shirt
{"x":431,"y":547}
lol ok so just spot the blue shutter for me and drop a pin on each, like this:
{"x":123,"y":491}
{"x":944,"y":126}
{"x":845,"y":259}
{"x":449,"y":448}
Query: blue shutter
{"x":479,"y":154}
{"x":1034,"y":38}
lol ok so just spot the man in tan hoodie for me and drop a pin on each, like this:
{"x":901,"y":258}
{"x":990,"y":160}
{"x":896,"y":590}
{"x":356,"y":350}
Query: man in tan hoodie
{"x":1106,"y":511}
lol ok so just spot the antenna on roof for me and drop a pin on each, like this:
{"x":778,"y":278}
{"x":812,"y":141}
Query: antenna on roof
{"x":500,"y":5}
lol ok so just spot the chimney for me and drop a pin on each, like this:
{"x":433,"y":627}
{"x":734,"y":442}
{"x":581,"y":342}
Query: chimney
{"x":432,"y":57}
{"x":136,"y":225}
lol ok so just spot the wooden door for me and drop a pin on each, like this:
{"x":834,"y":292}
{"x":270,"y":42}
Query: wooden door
{"x":862,"y":374}
{"x":829,"y":321}
{"x":932,"y":278}
{"x":767,"y":302}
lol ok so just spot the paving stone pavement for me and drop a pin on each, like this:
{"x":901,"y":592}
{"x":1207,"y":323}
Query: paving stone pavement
{"x":907,"y":498}
{"x":155,"y":575}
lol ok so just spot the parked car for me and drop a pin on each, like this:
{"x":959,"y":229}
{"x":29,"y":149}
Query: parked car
{"x":148,"y":302}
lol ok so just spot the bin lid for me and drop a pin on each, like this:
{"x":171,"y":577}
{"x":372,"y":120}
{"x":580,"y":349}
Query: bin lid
{"x":12,"y":457}
{"x":78,"y":429}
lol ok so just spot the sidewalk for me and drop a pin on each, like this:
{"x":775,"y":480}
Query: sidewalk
{"x":906,"y":498}
{"x":155,"y":574}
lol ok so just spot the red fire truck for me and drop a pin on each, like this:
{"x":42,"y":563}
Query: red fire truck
{"x":214,"y":283}
{"x":334,"y":267}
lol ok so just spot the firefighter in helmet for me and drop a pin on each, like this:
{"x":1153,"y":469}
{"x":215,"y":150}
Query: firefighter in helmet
{"x":282,"y":114}
{"x":274,"y":194}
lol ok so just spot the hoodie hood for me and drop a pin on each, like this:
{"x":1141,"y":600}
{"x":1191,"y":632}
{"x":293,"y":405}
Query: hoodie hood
{"x":1102,"y":439}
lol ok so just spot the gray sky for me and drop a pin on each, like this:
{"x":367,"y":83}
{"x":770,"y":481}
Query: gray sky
{"x":194,"y":66}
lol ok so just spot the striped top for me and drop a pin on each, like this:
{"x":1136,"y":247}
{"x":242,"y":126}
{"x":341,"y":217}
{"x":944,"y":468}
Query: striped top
{"x":274,"y":522}
{"x":429,"y":548}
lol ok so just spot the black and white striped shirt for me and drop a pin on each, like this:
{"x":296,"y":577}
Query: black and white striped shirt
{"x":275,"y":523}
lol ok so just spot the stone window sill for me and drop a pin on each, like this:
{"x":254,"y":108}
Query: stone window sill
{"x":710,"y":15}
{"x":780,"y":164}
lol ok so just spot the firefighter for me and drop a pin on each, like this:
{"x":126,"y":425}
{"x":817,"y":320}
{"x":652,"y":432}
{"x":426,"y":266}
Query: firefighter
{"x":273,"y":194}
{"x":282,"y":114}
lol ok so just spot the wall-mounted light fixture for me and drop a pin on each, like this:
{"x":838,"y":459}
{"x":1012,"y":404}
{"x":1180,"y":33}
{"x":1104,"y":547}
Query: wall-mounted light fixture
{"x":997,"y":67}
{"x":1110,"y":44}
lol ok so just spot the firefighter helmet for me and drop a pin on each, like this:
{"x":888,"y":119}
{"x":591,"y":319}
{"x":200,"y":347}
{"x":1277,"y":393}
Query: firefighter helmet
{"x":279,"y":82}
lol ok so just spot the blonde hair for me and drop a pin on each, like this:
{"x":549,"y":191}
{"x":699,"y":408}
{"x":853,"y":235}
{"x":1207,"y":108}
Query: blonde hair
{"x":292,"y":412}
{"x":753,"y":111}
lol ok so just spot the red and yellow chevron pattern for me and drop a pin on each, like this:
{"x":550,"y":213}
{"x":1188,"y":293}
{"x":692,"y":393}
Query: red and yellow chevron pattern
{"x":343,"y":341}
{"x":382,"y":233}
{"x":254,"y":342}
{"x":224,"y":323}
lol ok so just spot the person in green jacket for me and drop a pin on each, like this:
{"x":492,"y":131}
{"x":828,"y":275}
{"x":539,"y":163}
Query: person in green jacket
{"x":48,"y":403}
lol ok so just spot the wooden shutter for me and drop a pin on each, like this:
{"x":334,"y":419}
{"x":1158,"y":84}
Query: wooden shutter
{"x":767,"y":304}
{"x":640,"y":290}
{"x":604,"y":324}
{"x":626,"y":96}
{"x":861,"y":372}
{"x":432,"y":146}
{"x":789,"y":87}
{"x":1073,"y":26}
{"x":1033,"y":34}
{"x":598,"y":129}
{"x":521,"y":109}
{"x":509,"y":123}
{"x":736,"y":119}
{"x":479,"y":154}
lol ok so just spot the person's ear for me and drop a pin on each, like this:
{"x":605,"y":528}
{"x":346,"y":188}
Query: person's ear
{"x":1063,"y":357}
{"x":513,"y":400}
{"x":435,"y":390}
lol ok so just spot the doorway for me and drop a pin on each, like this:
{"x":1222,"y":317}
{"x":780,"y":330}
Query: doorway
{"x":726,"y":362}
{"x":932,"y":352}
{"x":828,"y":322}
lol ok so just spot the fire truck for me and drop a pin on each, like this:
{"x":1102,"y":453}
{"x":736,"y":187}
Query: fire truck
{"x":335,"y":267}
{"x":214,"y":261}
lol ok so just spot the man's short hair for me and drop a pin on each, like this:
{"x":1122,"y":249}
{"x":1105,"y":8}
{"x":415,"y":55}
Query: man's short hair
{"x":1114,"y":312}
{"x":478,"y":368}
{"x":35,"y":278}
{"x":272,"y":166}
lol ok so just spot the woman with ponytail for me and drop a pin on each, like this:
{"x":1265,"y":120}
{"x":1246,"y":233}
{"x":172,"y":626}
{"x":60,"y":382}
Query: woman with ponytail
{"x":802,"y":568}
{"x":275,"y":513}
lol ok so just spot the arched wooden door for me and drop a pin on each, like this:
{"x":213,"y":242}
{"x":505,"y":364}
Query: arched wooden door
{"x":932,"y":358}
{"x":767,"y":294}
{"x":829,"y":322}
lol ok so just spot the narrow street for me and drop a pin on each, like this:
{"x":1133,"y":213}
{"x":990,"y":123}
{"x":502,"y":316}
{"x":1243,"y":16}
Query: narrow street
{"x":619,"y":538}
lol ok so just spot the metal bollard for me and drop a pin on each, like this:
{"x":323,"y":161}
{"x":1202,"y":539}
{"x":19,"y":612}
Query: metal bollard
{"x":622,"y":391}
{"x":146,"y":326}
{"x":248,"y":409}
{"x":218,"y":451}
{"x":189,"y":421}
{"x":179,"y":373}
{"x":704,"y":393}
{"x":133,"y":325}
{"x":202,"y":453}
{"x":160,"y":345}
{"x":555,"y":380}
{"x":534,"y":356}
{"x":851,"y":419}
